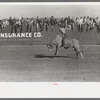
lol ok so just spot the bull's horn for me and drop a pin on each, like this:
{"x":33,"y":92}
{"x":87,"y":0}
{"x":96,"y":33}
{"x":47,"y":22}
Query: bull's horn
{"x":48,"y":45}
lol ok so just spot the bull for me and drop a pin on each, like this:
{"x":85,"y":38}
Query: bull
{"x":66,"y":43}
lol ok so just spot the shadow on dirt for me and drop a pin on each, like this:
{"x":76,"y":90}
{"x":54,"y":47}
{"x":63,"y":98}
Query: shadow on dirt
{"x":50,"y":56}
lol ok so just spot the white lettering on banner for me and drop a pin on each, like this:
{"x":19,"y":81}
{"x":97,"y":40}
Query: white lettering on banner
{"x":2,"y":35}
{"x":30,"y":34}
{"x":37,"y":34}
{"x":15,"y":35}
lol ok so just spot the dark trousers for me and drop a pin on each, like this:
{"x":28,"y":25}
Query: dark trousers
{"x":98,"y":28}
{"x":21,"y":28}
{"x":14,"y":27}
{"x":80,"y":28}
{"x":27,"y":27}
{"x":1,"y":27}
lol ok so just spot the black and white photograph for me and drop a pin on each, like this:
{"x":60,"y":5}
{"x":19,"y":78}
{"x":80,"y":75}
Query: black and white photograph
{"x":49,"y":42}
{"x":50,"y":50}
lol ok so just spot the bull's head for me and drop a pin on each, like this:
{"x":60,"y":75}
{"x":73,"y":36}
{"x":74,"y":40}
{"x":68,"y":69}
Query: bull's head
{"x":49,"y":46}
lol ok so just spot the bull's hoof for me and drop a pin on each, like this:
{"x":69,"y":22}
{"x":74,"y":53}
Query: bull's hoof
{"x":56,"y":54}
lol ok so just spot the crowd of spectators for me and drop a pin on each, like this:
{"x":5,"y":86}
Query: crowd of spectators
{"x":45,"y":23}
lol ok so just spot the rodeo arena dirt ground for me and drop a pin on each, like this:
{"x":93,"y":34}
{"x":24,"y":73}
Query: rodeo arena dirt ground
{"x":28,"y":61}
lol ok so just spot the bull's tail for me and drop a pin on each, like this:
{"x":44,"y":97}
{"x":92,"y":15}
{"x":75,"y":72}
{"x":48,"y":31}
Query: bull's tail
{"x":81,"y":49}
{"x":81,"y":46}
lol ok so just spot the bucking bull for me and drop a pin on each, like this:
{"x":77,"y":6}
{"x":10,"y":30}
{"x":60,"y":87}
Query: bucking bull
{"x":65,"y":42}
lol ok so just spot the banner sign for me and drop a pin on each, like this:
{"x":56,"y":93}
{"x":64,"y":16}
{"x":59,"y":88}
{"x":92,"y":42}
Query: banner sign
{"x":20,"y":35}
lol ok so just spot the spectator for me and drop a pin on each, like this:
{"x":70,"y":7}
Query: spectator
{"x":52,"y":23}
{"x":80,"y":26}
{"x":1,"y":24}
